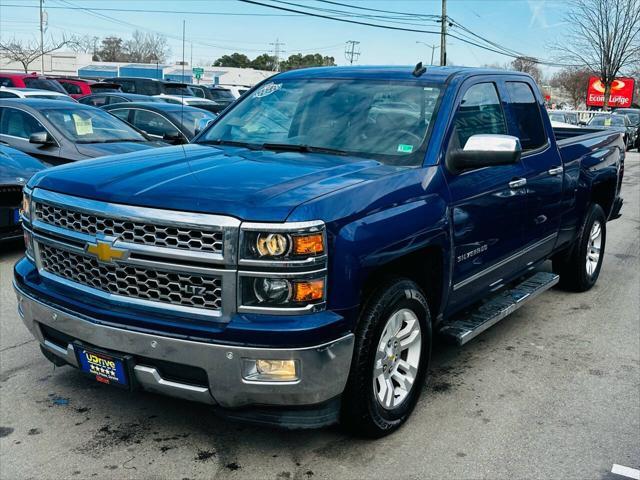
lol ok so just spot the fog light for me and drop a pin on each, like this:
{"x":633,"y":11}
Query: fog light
{"x":270,"y":370}
{"x":28,"y":244}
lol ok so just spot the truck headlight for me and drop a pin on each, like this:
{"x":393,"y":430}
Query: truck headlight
{"x":284,"y":242}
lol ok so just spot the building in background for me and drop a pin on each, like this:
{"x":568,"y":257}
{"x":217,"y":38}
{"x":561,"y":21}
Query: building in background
{"x":80,"y":64}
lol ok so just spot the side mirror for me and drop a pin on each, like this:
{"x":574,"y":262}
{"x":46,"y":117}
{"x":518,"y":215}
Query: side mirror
{"x":485,"y":150}
{"x":41,"y":138}
{"x":202,"y":124}
{"x":175,"y":138}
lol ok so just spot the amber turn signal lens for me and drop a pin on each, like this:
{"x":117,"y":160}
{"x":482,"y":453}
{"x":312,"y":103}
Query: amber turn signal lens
{"x":311,"y":244}
{"x":307,"y":291}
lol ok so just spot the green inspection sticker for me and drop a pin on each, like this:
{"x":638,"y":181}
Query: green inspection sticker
{"x":404,"y":148}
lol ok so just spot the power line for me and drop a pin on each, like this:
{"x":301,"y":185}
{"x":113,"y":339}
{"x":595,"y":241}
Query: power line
{"x":276,"y":54}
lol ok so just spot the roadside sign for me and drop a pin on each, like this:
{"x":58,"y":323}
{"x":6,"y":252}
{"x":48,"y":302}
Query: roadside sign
{"x":621,"y":92}
{"x":197,"y":72}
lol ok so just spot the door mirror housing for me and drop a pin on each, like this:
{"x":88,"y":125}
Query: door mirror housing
{"x":175,"y":138}
{"x":202,"y":124}
{"x":41,"y":138}
{"x":485,"y":150}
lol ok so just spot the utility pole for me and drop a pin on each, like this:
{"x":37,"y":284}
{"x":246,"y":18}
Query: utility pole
{"x":432,"y":47}
{"x":350,"y":52}
{"x":191,"y":60}
{"x":183,"y":31}
{"x":41,"y":38}
{"x":443,"y":35}
{"x":276,"y":54}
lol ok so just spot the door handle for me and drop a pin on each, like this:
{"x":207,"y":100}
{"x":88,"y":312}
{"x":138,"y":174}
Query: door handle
{"x":517,"y":183}
{"x":556,"y":170}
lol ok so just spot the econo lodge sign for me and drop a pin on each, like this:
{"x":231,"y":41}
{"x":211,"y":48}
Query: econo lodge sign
{"x":621,"y":92}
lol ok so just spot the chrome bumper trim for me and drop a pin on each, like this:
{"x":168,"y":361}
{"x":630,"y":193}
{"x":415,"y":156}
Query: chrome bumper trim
{"x":324,"y":368}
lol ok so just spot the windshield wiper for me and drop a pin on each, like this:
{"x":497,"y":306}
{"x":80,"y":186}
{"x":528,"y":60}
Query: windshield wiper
{"x":287,"y":147}
{"x":231,"y":143}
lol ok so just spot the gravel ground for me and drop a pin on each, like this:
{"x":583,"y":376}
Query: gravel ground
{"x":553,"y":391}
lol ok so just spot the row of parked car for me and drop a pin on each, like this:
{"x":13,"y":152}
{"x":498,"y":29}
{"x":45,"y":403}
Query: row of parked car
{"x":626,"y":120}
{"x":46,"y":121}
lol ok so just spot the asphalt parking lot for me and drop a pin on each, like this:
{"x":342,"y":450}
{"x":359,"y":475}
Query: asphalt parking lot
{"x":553,"y":391}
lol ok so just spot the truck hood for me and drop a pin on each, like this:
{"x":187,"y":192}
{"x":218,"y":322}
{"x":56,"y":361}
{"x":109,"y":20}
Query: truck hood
{"x":250,"y":185}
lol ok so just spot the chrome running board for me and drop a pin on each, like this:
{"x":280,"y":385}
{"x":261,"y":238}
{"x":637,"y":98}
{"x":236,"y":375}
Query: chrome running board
{"x":467,"y":326}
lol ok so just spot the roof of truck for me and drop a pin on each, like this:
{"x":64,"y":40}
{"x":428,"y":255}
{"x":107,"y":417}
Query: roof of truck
{"x":395,"y":72}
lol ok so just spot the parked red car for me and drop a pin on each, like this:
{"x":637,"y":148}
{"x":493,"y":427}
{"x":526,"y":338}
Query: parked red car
{"x":80,"y":87}
{"x":30,"y":80}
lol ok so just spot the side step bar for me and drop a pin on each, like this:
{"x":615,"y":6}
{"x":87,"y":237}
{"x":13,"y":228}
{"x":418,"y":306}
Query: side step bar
{"x":471,"y":324}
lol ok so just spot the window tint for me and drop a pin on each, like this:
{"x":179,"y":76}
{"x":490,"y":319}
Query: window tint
{"x":122,"y":114}
{"x":7,"y":95}
{"x":95,"y":100}
{"x":527,"y":115}
{"x":19,"y":124}
{"x":198,"y":92}
{"x":43,"y":84}
{"x":152,"y":123}
{"x":72,"y":88}
{"x":6,"y":82}
{"x":148,"y":87}
{"x":111,"y":99}
{"x":127,"y":86}
{"x":479,"y":112}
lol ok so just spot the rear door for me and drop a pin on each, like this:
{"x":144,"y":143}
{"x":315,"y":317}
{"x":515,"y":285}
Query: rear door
{"x":487,"y":206}
{"x":542,"y":164}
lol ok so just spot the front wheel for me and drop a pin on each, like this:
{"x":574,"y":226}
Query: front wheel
{"x":579,"y":270}
{"x":392,"y":350}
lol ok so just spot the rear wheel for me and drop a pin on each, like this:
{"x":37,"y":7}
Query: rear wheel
{"x":393,"y":345}
{"x":579,"y":270}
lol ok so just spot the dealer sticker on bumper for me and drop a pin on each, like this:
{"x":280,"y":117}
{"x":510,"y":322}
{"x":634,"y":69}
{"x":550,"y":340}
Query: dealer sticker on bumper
{"x":106,"y":368}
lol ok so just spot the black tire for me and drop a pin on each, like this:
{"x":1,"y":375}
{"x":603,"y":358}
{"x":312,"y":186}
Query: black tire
{"x":361,"y":412}
{"x":572,"y":265}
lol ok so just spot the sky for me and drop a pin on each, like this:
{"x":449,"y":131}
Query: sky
{"x":527,"y":26}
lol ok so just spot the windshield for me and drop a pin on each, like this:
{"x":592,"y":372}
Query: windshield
{"x":383,"y":120}
{"x":91,"y":126}
{"x":222,"y":94}
{"x":182,"y":90}
{"x":190,"y":119}
{"x":634,"y":118}
{"x":606,"y":121}
{"x":43,"y":84}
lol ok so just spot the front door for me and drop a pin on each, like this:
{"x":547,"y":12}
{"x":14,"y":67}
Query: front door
{"x":487,"y":204}
{"x":16,"y":126}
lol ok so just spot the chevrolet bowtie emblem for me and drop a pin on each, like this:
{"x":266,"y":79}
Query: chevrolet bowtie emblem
{"x":105,"y":252}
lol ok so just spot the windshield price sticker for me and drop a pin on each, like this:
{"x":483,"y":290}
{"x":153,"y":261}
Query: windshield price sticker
{"x":268,"y":89}
{"x":83,"y":127}
{"x":404,"y":148}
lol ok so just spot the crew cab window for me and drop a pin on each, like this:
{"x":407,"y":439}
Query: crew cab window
{"x":20,"y":124}
{"x":153,"y":123}
{"x":479,"y":112}
{"x":527,"y":115}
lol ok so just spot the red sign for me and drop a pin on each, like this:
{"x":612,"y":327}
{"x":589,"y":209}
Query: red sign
{"x":621,"y":92}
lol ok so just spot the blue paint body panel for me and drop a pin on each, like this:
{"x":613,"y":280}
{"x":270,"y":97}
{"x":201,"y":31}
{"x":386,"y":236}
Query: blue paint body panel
{"x":375,"y":213}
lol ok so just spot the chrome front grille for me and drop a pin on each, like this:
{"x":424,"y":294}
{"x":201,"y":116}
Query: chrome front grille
{"x":149,"y":234}
{"x":184,"y":289}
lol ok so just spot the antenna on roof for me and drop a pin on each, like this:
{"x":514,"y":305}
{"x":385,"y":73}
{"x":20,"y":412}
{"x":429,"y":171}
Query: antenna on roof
{"x":419,"y":70}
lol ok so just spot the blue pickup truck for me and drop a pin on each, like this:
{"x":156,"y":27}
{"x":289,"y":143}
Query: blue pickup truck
{"x":294,"y":264}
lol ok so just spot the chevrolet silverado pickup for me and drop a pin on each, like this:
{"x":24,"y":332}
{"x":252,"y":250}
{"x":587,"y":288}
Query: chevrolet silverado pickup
{"x":294,"y":264}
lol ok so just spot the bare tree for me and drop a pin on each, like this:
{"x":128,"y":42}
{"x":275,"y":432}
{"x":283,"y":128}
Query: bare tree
{"x":26,"y":52}
{"x":144,"y":47}
{"x":86,"y":44}
{"x":602,"y":36}
{"x":527,"y":65}
{"x":575,"y":82}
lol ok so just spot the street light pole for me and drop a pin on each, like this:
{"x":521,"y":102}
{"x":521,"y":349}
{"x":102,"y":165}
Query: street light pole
{"x":432,"y":47}
{"x":41,"y":39}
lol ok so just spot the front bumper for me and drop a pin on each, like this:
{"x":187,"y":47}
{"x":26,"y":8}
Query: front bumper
{"x":323,"y":368}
